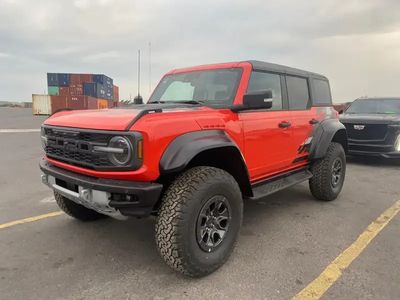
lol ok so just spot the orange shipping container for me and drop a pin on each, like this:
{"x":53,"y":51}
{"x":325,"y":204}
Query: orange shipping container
{"x":76,"y":89}
{"x":64,"y":91}
{"x":76,"y":102}
{"x":58,"y":103}
{"x":102,"y":103}
{"x":80,"y":78}
{"x":75,"y":79}
{"x":92,"y":103}
{"x":86,"y":78}
{"x":115,"y":93}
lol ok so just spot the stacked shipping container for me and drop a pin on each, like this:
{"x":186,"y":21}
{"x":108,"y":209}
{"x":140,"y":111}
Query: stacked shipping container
{"x":76,"y":91}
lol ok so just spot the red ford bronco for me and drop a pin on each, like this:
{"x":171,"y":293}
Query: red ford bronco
{"x":209,"y":138}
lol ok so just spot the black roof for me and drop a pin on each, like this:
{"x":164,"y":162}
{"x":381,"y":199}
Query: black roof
{"x":265,"y":66}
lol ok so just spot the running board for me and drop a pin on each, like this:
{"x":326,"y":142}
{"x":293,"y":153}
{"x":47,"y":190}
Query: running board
{"x":278,"y":183}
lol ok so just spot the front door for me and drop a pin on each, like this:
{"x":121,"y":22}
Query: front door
{"x":267,"y":133}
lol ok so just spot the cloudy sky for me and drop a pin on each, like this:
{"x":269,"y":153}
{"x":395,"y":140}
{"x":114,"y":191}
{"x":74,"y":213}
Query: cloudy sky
{"x":355,"y":43}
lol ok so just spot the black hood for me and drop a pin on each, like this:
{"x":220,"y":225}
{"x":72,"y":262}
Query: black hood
{"x":370,"y":118}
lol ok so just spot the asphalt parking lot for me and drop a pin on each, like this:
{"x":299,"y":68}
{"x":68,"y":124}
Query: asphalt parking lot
{"x":287,"y":240}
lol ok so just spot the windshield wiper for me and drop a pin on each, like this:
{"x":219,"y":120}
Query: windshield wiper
{"x":156,"y":102}
{"x":192,"y":102}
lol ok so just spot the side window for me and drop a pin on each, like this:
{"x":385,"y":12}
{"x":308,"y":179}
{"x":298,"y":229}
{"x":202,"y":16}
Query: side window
{"x":267,"y":81}
{"x":297,"y":92}
{"x":322,"y":93}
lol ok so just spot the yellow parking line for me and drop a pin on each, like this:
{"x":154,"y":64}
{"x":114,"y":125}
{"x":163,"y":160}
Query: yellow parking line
{"x":31,"y":219}
{"x":333,"y":272}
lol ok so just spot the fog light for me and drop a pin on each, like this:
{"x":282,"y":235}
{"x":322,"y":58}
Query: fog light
{"x":85,"y":194}
{"x":44,"y":179}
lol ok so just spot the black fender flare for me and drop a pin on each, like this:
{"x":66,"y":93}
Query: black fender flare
{"x":324,"y":133}
{"x":185,"y":147}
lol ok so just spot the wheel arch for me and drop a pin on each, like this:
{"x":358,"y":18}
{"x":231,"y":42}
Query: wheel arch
{"x":212,"y":148}
{"x":328,"y":131}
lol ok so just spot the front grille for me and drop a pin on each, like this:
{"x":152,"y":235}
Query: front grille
{"x":369,"y":131}
{"x":75,"y":147}
{"x":78,"y":158}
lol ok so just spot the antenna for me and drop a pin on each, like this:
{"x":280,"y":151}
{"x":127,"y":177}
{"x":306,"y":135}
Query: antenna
{"x":149,"y":67}
{"x":138,"y":90}
{"x":138,"y":99}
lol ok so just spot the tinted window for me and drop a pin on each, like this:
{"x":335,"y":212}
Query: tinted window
{"x":374,"y":106}
{"x":297,"y":92}
{"x":322,"y":92}
{"x":266,"y":81}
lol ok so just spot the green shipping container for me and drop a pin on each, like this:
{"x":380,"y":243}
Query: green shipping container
{"x":53,"y":90}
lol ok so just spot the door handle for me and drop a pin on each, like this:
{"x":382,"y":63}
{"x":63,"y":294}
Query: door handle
{"x":313,"y":121}
{"x":284,"y":124}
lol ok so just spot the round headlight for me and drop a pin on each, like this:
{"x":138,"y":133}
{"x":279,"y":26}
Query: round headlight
{"x":122,"y":153}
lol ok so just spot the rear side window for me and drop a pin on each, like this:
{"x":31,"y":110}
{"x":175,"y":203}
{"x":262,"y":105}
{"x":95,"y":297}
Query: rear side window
{"x":322,"y":92}
{"x":298,"y":93}
{"x":267,"y":81}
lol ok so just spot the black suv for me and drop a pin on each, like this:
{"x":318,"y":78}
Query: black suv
{"x":373,"y":127}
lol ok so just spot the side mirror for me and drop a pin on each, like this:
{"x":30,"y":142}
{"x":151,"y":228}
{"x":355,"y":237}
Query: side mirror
{"x":256,"y":100}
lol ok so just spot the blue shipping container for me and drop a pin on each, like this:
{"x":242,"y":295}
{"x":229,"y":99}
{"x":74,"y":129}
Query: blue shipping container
{"x":103,"y":79}
{"x":52,"y":79}
{"x":109,"y":93}
{"x":63,"y":79}
{"x":97,"y":90}
{"x":89,"y":89}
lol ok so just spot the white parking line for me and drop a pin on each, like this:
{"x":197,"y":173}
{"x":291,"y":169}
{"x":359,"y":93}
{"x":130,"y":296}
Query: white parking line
{"x":18,"y":130}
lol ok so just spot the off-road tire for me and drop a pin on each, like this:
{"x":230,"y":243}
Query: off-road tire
{"x":76,"y":210}
{"x":321,"y":186}
{"x":178,"y":215}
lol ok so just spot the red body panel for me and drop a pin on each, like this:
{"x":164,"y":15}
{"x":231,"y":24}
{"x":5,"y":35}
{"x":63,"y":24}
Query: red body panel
{"x":267,"y":149}
{"x":113,"y":119}
{"x":266,"y":145}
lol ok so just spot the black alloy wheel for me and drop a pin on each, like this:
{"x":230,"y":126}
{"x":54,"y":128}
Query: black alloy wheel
{"x":213,"y":223}
{"x":337,"y":171}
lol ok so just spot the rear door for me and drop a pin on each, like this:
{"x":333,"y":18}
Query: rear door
{"x":266,"y":138}
{"x":302,"y":116}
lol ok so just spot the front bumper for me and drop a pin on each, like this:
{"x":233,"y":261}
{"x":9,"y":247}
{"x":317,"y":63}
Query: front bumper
{"x":385,"y":151}
{"x":116,"y":198}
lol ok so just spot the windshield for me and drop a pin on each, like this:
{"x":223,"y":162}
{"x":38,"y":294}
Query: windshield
{"x":374,"y":106}
{"x":207,"y":87}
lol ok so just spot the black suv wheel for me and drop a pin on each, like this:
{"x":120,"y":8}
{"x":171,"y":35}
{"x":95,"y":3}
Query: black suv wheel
{"x":199,"y":221}
{"x":328,"y":174}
